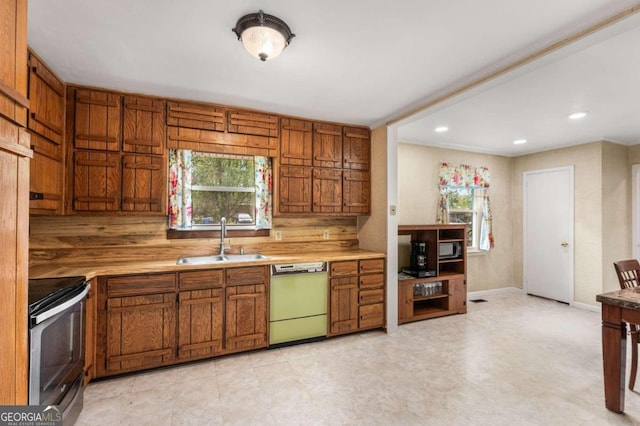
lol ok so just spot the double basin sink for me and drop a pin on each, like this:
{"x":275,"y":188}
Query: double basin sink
{"x":220,"y":258}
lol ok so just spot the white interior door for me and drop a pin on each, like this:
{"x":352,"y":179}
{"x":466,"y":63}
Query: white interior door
{"x":548,"y":233}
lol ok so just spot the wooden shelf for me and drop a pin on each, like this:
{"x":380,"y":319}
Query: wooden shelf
{"x":450,"y":272}
{"x":429,"y":297}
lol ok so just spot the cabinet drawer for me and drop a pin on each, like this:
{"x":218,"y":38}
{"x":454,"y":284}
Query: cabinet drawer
{"x":372,"y":315}
{"x":371,"y":281}
{"x":141,"y":284}
{"x":252,"y":275}
{"x":344,"y":268}
{"x":200,"y":279}
{"x":372,"y":265}
{"x":368,"y":297}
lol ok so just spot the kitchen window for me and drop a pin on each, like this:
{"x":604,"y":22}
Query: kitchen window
{"x":205,"y":187}
{"x":464,"y":198}
{"x":465,"y":207}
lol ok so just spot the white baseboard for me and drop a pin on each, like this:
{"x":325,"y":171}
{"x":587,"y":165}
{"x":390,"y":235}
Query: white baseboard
{"x":587,"y":307}
{"x":484,"y":293}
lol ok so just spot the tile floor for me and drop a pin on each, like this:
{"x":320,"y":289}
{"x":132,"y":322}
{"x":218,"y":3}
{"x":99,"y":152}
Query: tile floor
{"x":515,"y":360}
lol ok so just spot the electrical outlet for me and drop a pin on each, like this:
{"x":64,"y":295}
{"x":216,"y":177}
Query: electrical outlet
{"x":278,"y":235}
{"x":392,"y":210}
{"x":325,"y":234}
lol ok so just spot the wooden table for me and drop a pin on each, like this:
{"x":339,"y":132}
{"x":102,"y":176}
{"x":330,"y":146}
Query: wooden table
{"x":618,"y":308}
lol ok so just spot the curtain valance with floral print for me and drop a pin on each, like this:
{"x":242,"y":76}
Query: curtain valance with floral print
{"x":464,"y":175}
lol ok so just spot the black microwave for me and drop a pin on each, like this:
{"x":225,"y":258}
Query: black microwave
{"x":450,"y":250}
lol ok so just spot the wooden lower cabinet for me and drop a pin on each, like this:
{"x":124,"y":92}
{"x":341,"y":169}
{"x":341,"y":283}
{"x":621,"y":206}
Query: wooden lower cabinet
{"x":141,"y":331}
{"x":344,"y":305}
{"x":356,"y":295}
{"x":200,"y":314}
{"x":247,"y":313}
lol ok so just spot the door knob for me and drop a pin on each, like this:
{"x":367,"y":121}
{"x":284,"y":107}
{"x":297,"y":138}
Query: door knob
{"x":564,"y":244}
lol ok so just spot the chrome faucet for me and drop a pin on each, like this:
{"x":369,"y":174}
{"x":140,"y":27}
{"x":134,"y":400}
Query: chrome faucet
{"x":223,"y":233}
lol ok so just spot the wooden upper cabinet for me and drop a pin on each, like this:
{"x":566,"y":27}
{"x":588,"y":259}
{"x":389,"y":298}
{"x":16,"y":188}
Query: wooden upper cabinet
{"x":356,"y":148}
{"x":252,"y":123}
{"x":327,"y":145}
{"x":13,"y":62}
{"x":143,"y":183}
{"x":356,"y":192}
{"x":144,"y":125}
{"x":294,"y":189}
{"x":296,"y":142}
{"x":327,"y":190}
{"x":97,"y":120}
{"x":96,"y":181}
{"x":46,"y":124}
{"x":46,"y":96}
{"x":196,"y":116}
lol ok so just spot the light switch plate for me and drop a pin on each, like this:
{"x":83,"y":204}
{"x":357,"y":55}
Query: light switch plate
{"x":278,"y":235}
{"x":325,"y":234}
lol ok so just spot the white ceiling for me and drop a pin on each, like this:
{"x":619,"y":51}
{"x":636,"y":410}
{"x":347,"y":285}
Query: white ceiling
{"x":357,"y":61}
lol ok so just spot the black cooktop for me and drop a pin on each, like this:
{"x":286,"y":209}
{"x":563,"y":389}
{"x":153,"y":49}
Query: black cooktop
{"x":47,"y":292}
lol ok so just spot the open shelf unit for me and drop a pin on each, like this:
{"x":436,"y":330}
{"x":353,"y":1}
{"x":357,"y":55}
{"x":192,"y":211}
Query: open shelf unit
{"x":450,"y":281}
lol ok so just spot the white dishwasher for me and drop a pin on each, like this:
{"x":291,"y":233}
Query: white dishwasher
{"x":297,"y":303}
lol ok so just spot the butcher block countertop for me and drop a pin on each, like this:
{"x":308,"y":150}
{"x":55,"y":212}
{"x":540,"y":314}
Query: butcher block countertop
{"x":103,"y":267}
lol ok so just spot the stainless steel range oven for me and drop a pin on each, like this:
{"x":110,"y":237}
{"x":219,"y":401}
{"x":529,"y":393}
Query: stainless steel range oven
{"x":56,"y":343}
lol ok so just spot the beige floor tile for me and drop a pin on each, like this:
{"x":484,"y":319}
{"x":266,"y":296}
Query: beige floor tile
{"x":515,"y":360}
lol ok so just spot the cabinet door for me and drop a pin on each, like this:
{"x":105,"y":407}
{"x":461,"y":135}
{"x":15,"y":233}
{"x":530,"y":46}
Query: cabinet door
{"x":140,"y":332}
{"x":458,"y":295}
{"x":294,"y":189}
{"x":97,"y":124}
{"x":196,"y":116}
{"x":46,"y":98}
{"x":96,"y":181}
{"x":296,"y":142}
{"x":143,"y":183}
{"x":327,"y":190}
{"x":356,"y":148}
{"x":13,"y":61}
{"x":252,"y":123}
{"x":371,"y":316}
{"x":327,"y":145}
{"x":144,"y":125}
{"x":357,"y":192}
{"x":200,"y":319}
{"x":46,"y":176}
{"x":246,"y":317}
{"x":405,"y":301}
{"x":344,"y":304}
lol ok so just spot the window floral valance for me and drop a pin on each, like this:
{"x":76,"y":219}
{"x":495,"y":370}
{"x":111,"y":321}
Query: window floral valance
{"x":477,"y":179}
{"x":464,"y":175}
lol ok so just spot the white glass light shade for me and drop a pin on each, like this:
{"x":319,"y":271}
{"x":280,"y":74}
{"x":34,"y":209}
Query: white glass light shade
{"x":263,"y":42}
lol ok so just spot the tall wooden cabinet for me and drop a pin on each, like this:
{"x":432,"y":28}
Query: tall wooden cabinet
{"x":15,"y":155}
{"x":446,"y":292}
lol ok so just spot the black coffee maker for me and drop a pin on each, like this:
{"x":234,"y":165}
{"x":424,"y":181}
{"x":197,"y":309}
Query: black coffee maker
{"x":418,"y":256}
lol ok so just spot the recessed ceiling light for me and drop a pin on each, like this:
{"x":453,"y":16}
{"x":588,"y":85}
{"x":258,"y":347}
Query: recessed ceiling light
{"x":441,"y":129}
{"x":578,"y":115}
{"x":519,"y":141}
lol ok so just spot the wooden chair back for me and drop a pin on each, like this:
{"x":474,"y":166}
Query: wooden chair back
{"x":628,"y":273}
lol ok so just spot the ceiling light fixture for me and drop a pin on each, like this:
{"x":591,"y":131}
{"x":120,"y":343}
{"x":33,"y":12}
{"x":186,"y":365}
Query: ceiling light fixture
{"x":519,"y":141}
{"x":441,"y":129}
{"x":578,"y":115}
{"x":264,"y":36}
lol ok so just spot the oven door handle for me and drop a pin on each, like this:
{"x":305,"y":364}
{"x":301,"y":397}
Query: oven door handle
{"x":63,"y":306}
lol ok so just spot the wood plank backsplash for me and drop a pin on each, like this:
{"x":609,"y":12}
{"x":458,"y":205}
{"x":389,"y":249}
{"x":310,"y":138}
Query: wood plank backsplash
{"x":83,"y":239}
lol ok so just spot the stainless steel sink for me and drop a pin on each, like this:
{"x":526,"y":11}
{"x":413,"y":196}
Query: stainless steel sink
{"x":209,"y":260}
{"x":200,"y":260}
{"x":245,"y":257}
